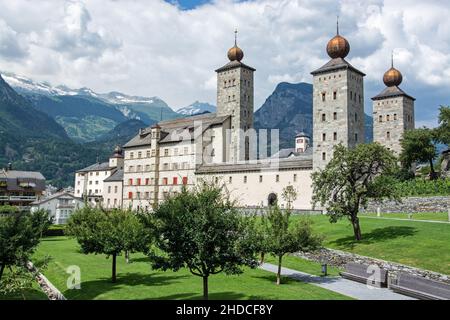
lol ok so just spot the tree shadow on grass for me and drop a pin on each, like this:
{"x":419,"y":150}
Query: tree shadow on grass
{"x":212,"y":296}
{"x":376,"y":235}
{"x":92,"y":289}
{"x":272,"y":278}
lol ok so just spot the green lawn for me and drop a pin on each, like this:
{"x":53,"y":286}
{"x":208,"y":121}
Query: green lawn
{"x":137,"y":281}
{"x":432,"y":216}
{"x":296,"y":263}
{"x":420,"y":244}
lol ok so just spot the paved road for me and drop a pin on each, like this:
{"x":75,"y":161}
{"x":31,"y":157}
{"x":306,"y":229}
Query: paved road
{"x":346,"y":287}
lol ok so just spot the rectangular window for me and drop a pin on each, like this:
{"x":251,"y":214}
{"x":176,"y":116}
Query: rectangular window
{"x":335,"y":136}
{"x":139,"y":181}
{"x":334,"y":115}
{"x":166,"y":152}
{"x":130,"y":195}
{"x":230,"y":179}
{"x":277,"y":178}
{"x":324,"y":156}
{"x":356,"y":137}
{"x":324,"y":117}
{"x":323,"y":96}
{"x":245,"y":179}
{"x":175,"y":180}
{"x":324,"y":136}
{"x":334,"y":95}
{"x":148,"y":153}
{"x":185,"y":180}
{"x":109,"y":189}
{"x":260,"y":179}
{"x":139,"y":154}
{"x":380,"y":118}
{"x":147,"y":181}
{"x":130,"y":182}
{"x":131,"y":155}
{"x":395,"y":116}
{"x":165,"y":181}
{"x":115,"y":189}
{"x":295,"y":177}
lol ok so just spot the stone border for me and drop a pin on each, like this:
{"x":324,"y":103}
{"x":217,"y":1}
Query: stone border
{"x":340,"y":258}
{"x":49,"y":289}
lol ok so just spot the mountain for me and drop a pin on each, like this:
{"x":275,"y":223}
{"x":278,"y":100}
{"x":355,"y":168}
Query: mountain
{"x":290,"y":109}
{"x":123,"y":132}
{"x":85,"y":114}
{"x":197,"y":108}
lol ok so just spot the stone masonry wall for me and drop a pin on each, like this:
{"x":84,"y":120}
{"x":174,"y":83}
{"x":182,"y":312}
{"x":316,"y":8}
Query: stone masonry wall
{"x":411,"y":205}
{"x":340,"y":258}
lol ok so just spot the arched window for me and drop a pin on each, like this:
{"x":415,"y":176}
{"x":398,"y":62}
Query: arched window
{"x":272,"y":199}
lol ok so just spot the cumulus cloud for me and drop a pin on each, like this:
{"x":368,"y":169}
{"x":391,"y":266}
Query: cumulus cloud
{"x":156,"y":48}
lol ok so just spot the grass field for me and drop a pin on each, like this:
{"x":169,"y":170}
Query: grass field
{"x":137,"y":281}
{"x":421,"y":244}
{"x":432,"y":216}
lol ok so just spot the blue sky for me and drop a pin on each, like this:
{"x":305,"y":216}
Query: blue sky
{"x":158,"y":48}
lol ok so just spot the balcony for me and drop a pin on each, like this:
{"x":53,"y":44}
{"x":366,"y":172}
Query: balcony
{"x":18,"y":198}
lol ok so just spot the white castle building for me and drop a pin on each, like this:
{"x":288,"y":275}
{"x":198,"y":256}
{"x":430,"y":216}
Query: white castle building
{"x":224,"y":148}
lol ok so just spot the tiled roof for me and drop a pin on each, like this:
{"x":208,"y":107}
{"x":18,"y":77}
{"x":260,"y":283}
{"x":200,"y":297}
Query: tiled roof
{"x":285,"y":153}
{"x":336,"y":64}
{"x":235,"y":64}
{"x":56,"y":196}
{"x":391,"y":92}
{"x":14,"y":174}
{"x":117,"y":176}
{"x":97,"y":167}
{"x":298,"y":163}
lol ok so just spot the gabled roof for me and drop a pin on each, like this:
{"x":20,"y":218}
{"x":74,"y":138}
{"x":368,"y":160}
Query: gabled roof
{"x":177,"y":129}
{"x":336,"y":64}
{"x":234,"y":64}
{"x":290,"y":152}
{"x":117,"y":176}
{"x":56,"y":196}
{"x":97,"y":167}
{"x":391,"y":92}
{"x":14,"y":174}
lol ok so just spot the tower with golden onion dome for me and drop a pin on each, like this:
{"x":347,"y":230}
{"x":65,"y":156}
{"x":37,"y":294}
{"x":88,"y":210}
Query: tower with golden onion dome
{"x":393,"y":111}
{"x":338,"y":103}
{"x":235,"y":99}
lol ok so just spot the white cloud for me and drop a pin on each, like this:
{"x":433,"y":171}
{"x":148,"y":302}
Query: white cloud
{"x":155,"y":48}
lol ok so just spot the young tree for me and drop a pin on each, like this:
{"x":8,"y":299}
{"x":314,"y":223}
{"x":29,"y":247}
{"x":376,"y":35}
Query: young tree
{"x":201,"y":230}
{"x":285,"y":237}
{"x":289,"y":195}
{"x":352,"y":177}
{"x":417,"y":145}
{"x":108,"y":232}
{"x":20,"y":234}
{"x":443,"y":131}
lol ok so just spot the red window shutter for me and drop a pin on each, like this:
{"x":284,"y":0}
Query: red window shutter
{"x":175,"y":180}
{"x":139,"y":181}
{"x":147,"y":181}
{"x":130,"y":195}
{"x":130,"y":182}
{"x":185,"y":180}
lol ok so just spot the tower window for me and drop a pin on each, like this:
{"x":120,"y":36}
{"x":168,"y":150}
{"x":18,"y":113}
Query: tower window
{"x":356,"y":117}
{"x":395,"y":116}
{"x":245,"y":179}
{"x":323,"y":96}
{"x":356,"y":137}
{"x":387,"y":118}
{"x":388,"y":135}
{"x":324,"y":136}
{"x":334,"y":115}
{"x":380,"y":118}
{"x":335,"y":136}
{"x":324,"y":156}
{"x":324,"y":117}
{"x":334,"y":95}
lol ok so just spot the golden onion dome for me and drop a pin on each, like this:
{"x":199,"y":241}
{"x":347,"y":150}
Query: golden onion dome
{"x":392,"y":77}
{"x":338,"y":47}
{"x":235,"y":54}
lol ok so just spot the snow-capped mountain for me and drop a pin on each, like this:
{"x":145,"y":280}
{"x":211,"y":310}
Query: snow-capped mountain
{"x":197,"y":108}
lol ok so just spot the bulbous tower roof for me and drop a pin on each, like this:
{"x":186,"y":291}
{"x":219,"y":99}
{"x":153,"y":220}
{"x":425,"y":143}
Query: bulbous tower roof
{"x":235,"y":53}
{"x":338,"y":47}
{"x":392,"y":77}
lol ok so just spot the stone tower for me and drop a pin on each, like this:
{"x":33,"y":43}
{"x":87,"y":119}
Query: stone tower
{"x":393,"y":112}
{"x":235,"y":99}
{"x":338,"y":103}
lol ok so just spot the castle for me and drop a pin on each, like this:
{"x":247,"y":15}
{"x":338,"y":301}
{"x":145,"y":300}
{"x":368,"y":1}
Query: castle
{"x":224,"y":148}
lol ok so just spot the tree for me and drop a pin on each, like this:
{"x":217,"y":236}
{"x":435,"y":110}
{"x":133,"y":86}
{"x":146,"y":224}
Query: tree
{"x":108,"y":232}
{"x":289,"y":195}
{"x":443,"y":131}
{"x":20,"y":234}
{"x":418,"y":146}
{"x":201,"y":230}
{"x":352,"y":177}
{"x":284,"y":237}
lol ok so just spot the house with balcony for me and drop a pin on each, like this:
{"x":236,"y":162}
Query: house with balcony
{"x":60,"y":206}
{"x":20,"y":188}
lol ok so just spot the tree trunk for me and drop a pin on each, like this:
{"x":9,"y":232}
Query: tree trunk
{"x":205,"y":287}
{"x":262,"y":258}
{"x":114,"y":258}
{"x":279,"y":270}
{"x":2,"y":268}
{"x":433,"y":175}
{"x":356,"y":228}
{"x":127,"y":257}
